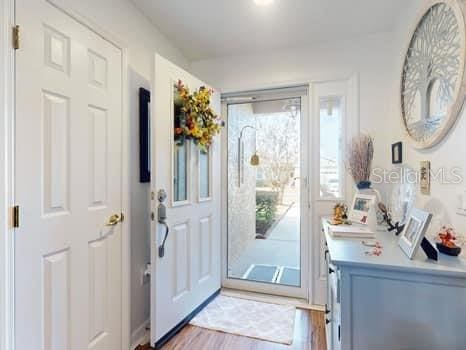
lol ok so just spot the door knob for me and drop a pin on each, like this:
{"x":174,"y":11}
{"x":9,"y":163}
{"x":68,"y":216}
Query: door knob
{"x":114,"y":219}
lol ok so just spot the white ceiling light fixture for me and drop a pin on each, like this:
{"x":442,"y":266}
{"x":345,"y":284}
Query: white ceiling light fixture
{"x":263,"y":2}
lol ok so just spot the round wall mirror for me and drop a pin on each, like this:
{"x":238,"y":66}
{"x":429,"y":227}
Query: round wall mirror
{"x":433,"y":79}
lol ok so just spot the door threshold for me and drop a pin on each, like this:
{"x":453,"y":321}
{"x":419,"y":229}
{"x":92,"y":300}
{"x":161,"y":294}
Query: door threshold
{"x":269,"y":298}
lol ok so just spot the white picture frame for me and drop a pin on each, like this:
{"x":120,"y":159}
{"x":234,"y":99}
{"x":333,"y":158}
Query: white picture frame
{"x":415,"y":228}
{"x":361,"y":207}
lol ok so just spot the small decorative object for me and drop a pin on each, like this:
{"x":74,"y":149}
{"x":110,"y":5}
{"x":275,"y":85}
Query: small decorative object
{"x":194,"y":117}
{"x":363,"y":209}
{"x":360,"y":155}
{"x":144,"y":135}
{"x":425,"y":177}
{"x":445,"y":243}
{"x":376,"y":248}
{"x":433,"y":77}
{"x":413,"y":232}
{"x":397,"y":153}
{"x":388,"y":219}
{"x":255,"y":159}
{"x":340,"y":215}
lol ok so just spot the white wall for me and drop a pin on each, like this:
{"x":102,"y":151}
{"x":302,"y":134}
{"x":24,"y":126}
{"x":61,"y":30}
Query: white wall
{"x":371,"y":57}
{"x":140,"y":218}
{"x":123,"y":20}
{"x":378,"y":59}
{"x":448,"y":154}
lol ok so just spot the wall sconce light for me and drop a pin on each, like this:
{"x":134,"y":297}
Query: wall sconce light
{"x":254,"y":161}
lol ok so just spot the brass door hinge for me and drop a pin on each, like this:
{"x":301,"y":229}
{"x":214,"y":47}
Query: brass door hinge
{"x":16,"y":37}
{"x":15,"y":216}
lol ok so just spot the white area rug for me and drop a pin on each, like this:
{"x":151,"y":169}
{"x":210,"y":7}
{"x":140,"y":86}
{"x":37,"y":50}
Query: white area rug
{"x":271,"y":322}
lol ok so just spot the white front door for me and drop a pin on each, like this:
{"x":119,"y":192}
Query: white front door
{"x":189,"y":271}
{"x":68,"y":271}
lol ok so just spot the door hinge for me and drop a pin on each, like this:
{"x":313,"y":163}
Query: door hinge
{"x":15,"y":216}
{"x":16,"y":37}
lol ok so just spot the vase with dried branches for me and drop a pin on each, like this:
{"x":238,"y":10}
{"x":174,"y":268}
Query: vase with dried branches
{"x":360,"y":155}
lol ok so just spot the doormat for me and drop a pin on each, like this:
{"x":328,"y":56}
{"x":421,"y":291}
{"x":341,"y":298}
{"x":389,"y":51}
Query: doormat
{"x":254,"y":319}
{"x":285,"y":275}
{"x":261,"y":273}
{"x":289,"y":276}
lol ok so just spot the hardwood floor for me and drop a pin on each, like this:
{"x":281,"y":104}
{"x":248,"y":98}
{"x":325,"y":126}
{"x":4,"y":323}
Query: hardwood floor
{"x":309,"y":335}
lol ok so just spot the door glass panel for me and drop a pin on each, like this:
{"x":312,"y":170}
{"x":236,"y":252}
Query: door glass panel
{"x":180,"y":154}
{"x":264,"y":196}
{"x":331,"y":159}
{"x":204,"y":174}
{"x":180,"y":178}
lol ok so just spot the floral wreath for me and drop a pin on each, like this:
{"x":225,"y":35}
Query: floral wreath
{"x":194,"y":118}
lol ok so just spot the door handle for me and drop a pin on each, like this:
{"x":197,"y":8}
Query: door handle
{"x":162,"y":246}
{"x":114,"y":219}
{"x":162,"y":219}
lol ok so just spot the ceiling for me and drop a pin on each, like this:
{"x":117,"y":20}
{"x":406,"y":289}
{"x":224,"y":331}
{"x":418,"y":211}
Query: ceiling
{"x":204,"y":29}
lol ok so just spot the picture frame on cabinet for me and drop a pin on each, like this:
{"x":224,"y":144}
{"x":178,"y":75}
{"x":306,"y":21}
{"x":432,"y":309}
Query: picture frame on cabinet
{"x":414,"y":231}
{"x":397,"y":153}
{"x":362,"y":207}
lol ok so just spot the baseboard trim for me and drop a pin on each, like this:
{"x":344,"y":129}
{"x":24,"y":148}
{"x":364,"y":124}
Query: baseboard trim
{"x":175,"y":330}
{"x":140,"y":335}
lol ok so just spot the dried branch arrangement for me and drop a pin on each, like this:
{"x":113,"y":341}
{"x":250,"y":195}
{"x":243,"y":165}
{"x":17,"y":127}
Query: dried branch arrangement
{"x":360,"y":155}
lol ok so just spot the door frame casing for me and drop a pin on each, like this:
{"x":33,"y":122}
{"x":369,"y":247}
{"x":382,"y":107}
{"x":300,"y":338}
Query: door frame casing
{"x":7,"y":101}
{"x":348,"y":88}
{"x":353,"y":108}
{"x":7,"y":156}
{"x":301,"y":292}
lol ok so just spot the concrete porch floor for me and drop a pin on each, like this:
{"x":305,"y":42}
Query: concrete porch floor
{"x":281,"y":248}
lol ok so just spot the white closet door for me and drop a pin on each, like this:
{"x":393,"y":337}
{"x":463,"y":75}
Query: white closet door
{"x":68,"y":184}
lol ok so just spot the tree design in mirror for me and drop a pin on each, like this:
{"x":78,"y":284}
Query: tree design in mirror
{"x":433,"y":74}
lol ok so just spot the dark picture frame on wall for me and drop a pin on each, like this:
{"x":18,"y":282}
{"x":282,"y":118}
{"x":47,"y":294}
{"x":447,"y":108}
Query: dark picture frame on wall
{"x":144,"y":135}
{"x":397,"y":153}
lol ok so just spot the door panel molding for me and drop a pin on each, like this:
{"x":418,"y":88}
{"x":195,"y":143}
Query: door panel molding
{"x":205,"y":248}
{"x":56,"y":291}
